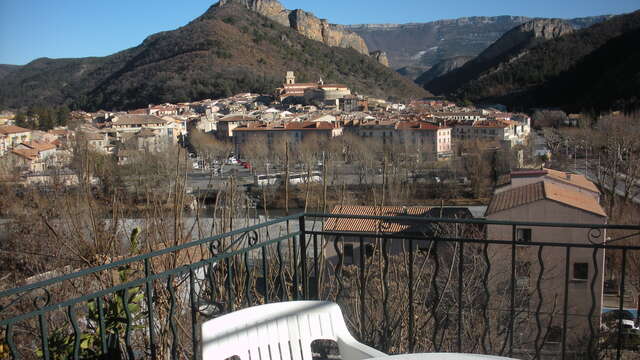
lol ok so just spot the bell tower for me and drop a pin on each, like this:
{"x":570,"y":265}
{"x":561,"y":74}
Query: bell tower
{"x":290,"y":79}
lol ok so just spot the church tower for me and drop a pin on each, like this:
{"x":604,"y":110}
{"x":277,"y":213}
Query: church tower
{"x":290,"y":79}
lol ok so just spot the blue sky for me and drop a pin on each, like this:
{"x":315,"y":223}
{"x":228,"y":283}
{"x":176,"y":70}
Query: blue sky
{"x":30,"y":29}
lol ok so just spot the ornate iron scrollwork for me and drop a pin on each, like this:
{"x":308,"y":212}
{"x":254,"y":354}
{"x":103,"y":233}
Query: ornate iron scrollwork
{"x":594,"y":236}
{"x":38,"y":301}
{"x":252,"y":237}
{"x":384,"y":226}
{"x":214,"y":247}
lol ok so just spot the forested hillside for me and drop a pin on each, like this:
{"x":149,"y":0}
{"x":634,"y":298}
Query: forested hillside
{"x":227,"y":50}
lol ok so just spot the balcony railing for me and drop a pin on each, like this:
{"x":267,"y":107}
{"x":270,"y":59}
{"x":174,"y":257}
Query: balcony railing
{"x":405,"y":284}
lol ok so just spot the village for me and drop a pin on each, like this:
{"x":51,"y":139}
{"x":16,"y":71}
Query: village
{"x":431,"y":130}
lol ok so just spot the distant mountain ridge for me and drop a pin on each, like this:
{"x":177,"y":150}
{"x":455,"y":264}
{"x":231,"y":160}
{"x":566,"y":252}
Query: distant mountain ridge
{"x":426,"y":44}
{"x":227,"y":50}
{"x":593,"y":69}
{"x":509,"y":46}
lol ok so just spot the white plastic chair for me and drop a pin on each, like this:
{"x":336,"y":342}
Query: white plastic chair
{"x":280,"y":331}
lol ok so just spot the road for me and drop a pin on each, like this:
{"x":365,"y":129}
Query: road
{"x":620,"y":188}
{"x":344,"y":174}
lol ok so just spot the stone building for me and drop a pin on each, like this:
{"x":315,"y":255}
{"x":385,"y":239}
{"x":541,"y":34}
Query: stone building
{"x":273,"y":136}
{"x":544,"y":202}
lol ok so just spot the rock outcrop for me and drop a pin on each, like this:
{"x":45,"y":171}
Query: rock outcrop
{"x":513,"y":44}
{"x":269,"y":8}
{"x":525,"y":36}
{"x":305,"y":23}
{"x":381,"y":56}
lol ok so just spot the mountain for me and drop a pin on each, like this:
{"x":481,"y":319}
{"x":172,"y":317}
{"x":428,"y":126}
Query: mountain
{"x":229,"y":49}
{"x":442,"y":68}
{"x":609,"y":77}
{"x":595,"y":68}
{"x":426,"y":44}
{"x":511,"y":45}
{"x":305,"y":23}
{"x":6,"y":69}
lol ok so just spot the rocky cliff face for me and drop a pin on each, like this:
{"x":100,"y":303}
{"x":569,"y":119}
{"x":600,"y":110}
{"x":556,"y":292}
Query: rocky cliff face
{"x":305,"y":23}
{"x":423,"y":45}
{"x":527,"y":35}
{"x":381,"y":56}
{"x":269,"y":8}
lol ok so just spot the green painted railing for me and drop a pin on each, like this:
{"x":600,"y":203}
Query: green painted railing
{"x":436,"y":284}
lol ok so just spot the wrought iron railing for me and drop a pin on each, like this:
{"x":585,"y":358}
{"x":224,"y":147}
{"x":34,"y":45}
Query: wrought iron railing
{"x":405,"y":284}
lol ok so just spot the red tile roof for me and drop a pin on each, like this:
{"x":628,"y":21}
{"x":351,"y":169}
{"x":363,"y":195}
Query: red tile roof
{"x":372,"y":225}
{"x":577,"y":180}
{"x":495,"y":124}
{"x":418,"y":125}
{"x":12,"y":129}
{"x":543,"y":190}
{"x":29,"y":154}
{"x":39,"y":146}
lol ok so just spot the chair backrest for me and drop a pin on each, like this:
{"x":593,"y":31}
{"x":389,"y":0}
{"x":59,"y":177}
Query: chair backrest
{"x":272,"y":331}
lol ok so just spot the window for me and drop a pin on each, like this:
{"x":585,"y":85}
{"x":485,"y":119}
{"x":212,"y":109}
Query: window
{"x":523,"y":235}
{"x":555,"y":334}
{"x":368,"y":250}
{"x":348,"y":254}
{"x":580,"y":271}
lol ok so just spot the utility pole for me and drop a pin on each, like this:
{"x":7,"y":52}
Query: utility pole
{"x":286,"y":178}
{"x":586,"y":158}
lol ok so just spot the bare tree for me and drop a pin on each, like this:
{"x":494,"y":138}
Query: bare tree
{"x":210,"y":148}
{"x":616,"y":142}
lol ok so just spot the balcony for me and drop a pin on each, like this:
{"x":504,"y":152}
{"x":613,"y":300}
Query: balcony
{"x":405,"y":284}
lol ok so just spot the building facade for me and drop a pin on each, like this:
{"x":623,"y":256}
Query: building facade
{"x":246,"y":137}
{"x":546,"y":266}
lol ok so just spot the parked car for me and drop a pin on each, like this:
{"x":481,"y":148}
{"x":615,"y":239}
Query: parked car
{"x":610,"y":320}
{"x":232,"y":160}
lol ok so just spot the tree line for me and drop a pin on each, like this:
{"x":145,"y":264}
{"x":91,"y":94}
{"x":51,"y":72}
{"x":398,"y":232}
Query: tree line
{"x":43,"y":117}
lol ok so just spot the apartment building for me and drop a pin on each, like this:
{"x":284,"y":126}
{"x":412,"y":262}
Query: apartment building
{"x":503,"y":131}
{"x":11,"y":136}
{"x":541,"y":272}
{"x":276,"y":134}
{"x":431,"y":142}
{"x":122,"y":126}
